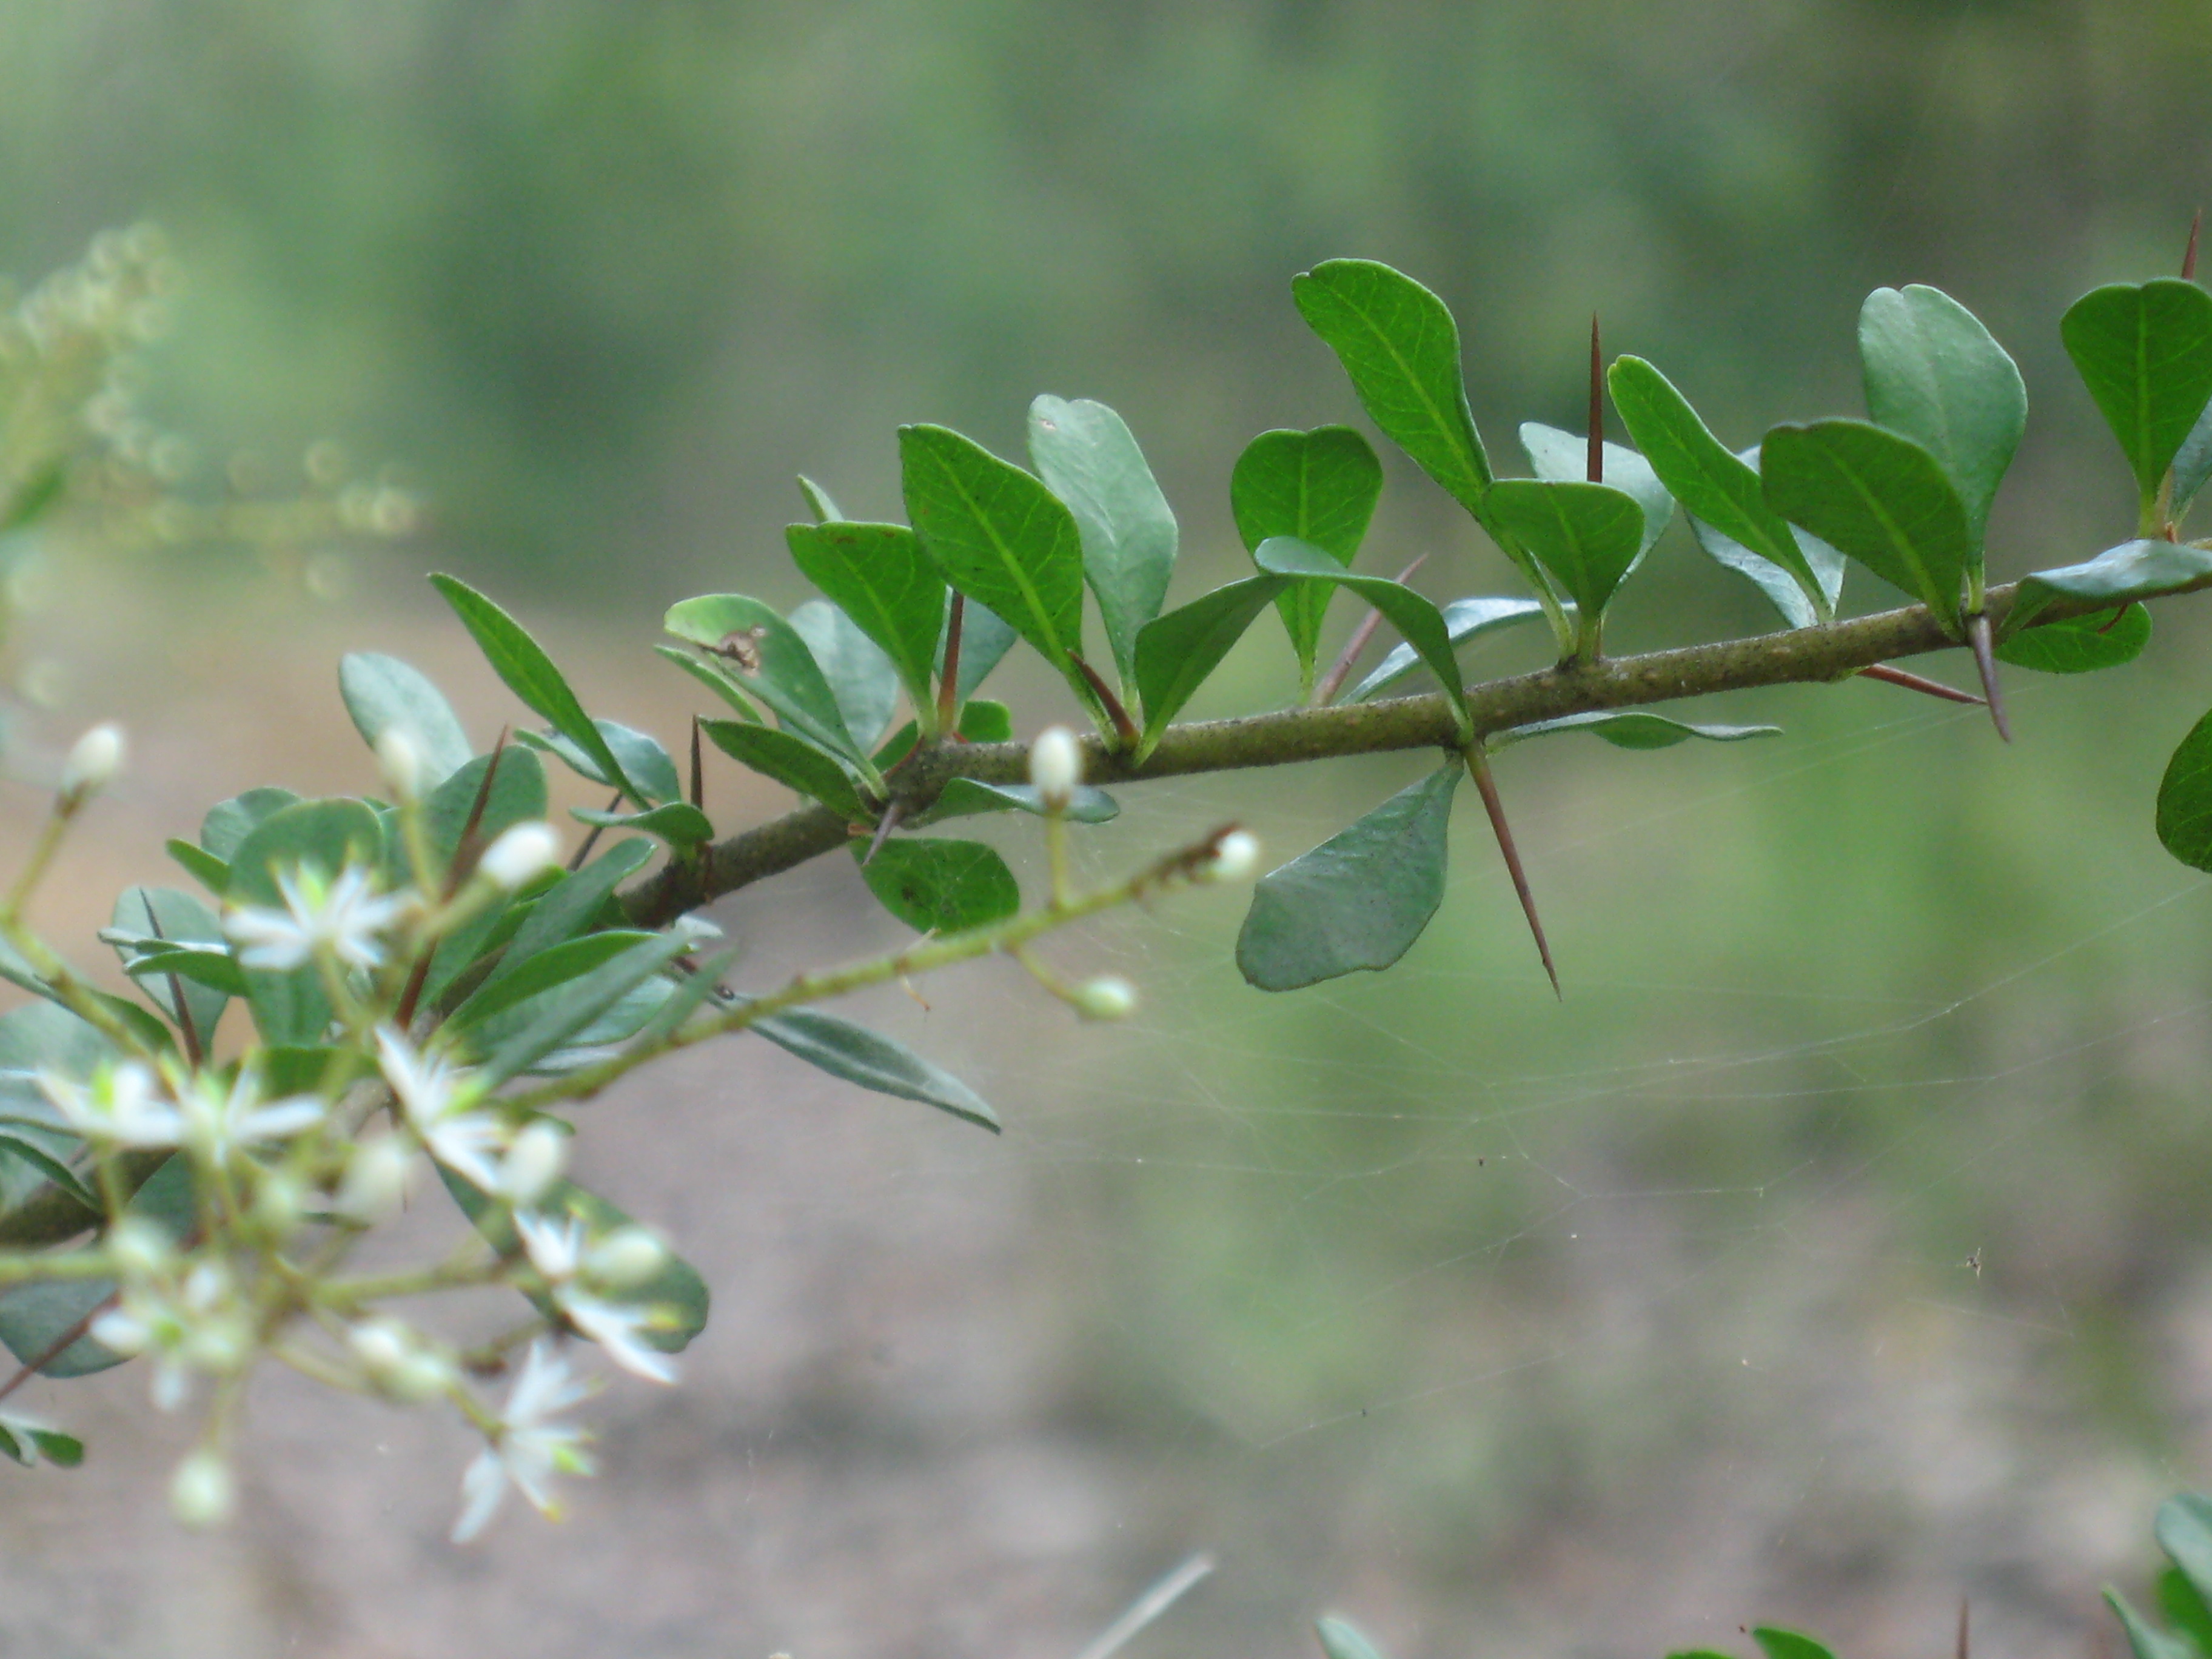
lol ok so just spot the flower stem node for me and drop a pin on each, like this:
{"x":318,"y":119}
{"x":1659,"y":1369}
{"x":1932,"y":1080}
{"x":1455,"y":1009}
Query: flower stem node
{"x":1056,"y":767}
{"x":1105,"y":998}
{"x":522,"y":853}
{"x":1236,"y":858}
{"x":202,"y":1493}
{"x":93,"y":763}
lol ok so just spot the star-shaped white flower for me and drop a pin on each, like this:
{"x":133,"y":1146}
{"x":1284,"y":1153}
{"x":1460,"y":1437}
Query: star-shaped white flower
{"x":122,"y":1105}
{"x":221,"y":1118}
{"x":346,"y":917}
{"x":527,"y":1449}
{"x":556,"y":1249}
{"x":199,"y":1324}
{"x":437,"y":1097}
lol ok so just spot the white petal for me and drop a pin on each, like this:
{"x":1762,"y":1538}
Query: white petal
{"x":483,"y":1489}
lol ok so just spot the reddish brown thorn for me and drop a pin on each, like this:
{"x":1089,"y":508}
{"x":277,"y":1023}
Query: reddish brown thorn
{"x":1478,"y":766}
{"x":2189,"y":257}
{"x":1325,"y":690}
{"x":1888,"y":676}
{"x":2119,"y":616}
{"x":1962,"y":1600}
{"x":1124,"y":727}
{"x":584,"y":849}
{"x":1985,"y":659}
{"x":54,"y":1350}
{"x":698,"y":770}
{"x":187,"y":1029}
{"x":1597,"y":408}
{"x":467,"y":848}
{"x":948,"y":684}
{"x":892,"y":814}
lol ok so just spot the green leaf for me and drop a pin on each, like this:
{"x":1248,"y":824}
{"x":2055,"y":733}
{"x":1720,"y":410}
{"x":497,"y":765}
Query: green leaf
{"x":1788,"y":1643}
{"x":1633,"y":728}
{"x":1936,"y":375}
{"x":965,"y":796}
{"x":2184,"y":1531}
{"x":645,"y":763}
{"x":1414,"y":618}
{"x":819,"y":501}
{"x":563,"y":1014}
{"x":203,"y":867}
{"x":1400,"y":347}
{"x":1176,"y":652}
{"x":677,"y":1287}
{"x":217,"y":971}
{"x":544,"y":970}
{"x":572,"y":906}
{"x":680,"y":823}
{"x":384,"y":694}
{"x":861,"y":677}
{"x":327,"y":835}
{"x":2145,"y":353}
{"x":2185,"y":799}
{"x":229,"y":823}
{"x":1341,"y":1639}
{"x":1086,"y":456}
{"x":1712,"y":484}
{"x":985,"y":722}
{"x":768,"y":658}
{"x":17,"y":1144}
{"x":28,"y":1444}
{"x":880,"y":578}
{"x":2081,"y":645}
{"x":2118,"y":575}
{"x":1587,"y":535}
{"x":33,"y":1317}
{"x":530,"y":674}
{"x":2148,"y":1641}
{"x":181,"y":919}
{"x":940,"y":887}
{"x":715,"y":673}
{"x":1360,"y":899}
{"x":1464,"y":620}
{"x":2185,"y":1607}
{"x":985,"y":639}
{"x":1559,"y":457}
{"x":873,"y":1061}
{"x":2192,"y":463}
{"x":36,"y":496}
{"x":999,"y":537}
{"x":1319,"y":486}
{"x":1780,"y":588}
{"x":518,"y":796}
{"x":790,"y":760}
{"x":1882,"y":500}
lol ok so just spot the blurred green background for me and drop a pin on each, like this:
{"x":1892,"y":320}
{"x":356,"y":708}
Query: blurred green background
{"x":1504,"y":1324}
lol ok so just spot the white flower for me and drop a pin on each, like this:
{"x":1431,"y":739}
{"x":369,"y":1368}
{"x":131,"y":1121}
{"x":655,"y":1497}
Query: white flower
{"x":558,"y":1250}
{"x":1056,"y":766}
{"x":202,"y":1493}
{"x":534,"y":1162}
{"x":437,"y":1098}
{"x":122,"y":1105}
{"x":375,"y":1179}
{"x":527,"y":1448}
{"x":520,"y":854}
{"x":199,"y":1325}
{"x":344,"y":917}
{"x":220,"y":1119}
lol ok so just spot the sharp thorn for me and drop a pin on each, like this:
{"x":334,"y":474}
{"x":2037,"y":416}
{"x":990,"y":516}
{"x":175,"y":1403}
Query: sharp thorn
{"x":2188,"y":258}
{"x":1478,"y":766}
{"x":1962,"y":1600}
{"x":889,"y":822}
{"x":1324,"y":691}
{"x":698,"y":771}
{"x":1977,"y":635}
{"x":1888,"y":676}
{"x":948,"y":685}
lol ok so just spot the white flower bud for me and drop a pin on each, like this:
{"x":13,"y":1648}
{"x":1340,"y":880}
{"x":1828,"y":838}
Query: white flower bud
{"x":398,"y":1362}
{"x":138,"y":1248}
{"x":519,"y":854}
{"x":278,"y":1198}
{"x":380,"y":1345}
{"x":1106,"y":998}
{"x":92,"y":765}
{"x":624,"y":1259}
{"x":202,"y":1493}
{"x":1235,"y":857}
{"x":1056,"y":766}
{"x":423,"y":1375}
{"x":540,"y":1152}
{"x":401,"y":763}
{"x":375,"y":1179}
